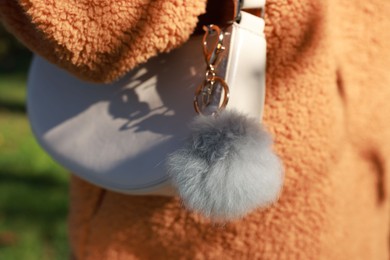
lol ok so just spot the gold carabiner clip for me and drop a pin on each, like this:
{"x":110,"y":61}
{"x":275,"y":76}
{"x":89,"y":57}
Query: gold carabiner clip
{"x":211,"y":56}
{"x":205,"y":94}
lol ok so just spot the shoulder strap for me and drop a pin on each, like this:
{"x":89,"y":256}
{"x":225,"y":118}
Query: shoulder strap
{"x":220,"y":14}
{"x":253,"y":4}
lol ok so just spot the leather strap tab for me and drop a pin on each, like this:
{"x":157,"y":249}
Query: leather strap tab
{"x":218,"y":12}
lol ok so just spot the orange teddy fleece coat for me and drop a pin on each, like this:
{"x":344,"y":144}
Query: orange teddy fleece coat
{"x":327,"y":106}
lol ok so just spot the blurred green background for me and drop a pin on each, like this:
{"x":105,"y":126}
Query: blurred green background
{"x":33,"y":188}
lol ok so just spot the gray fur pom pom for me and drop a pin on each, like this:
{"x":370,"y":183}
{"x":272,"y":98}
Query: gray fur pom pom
{"x":227,"y":167}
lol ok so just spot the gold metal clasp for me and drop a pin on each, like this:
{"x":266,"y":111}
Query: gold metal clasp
{"x":214,"y":91}
{"x":211,"y":55}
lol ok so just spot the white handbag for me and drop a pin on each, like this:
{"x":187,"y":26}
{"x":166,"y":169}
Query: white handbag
{"x":118,"y":135}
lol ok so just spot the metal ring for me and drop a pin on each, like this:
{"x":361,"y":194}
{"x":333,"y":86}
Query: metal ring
{"x":225,"y":97}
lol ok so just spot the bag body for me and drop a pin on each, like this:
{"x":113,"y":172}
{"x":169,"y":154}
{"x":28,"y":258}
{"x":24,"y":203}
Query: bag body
{"x":118,"y":135}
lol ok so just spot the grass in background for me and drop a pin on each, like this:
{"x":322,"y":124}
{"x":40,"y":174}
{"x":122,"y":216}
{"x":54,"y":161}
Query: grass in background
{"x":33,"y":189}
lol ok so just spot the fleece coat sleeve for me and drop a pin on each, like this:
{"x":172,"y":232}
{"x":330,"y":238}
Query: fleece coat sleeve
{"x":101,"y":40}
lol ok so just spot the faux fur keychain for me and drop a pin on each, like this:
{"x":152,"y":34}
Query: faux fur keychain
{"x":227,"y":167}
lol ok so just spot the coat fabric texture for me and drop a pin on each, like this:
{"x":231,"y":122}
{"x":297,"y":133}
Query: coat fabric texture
{"x":327,"y":107}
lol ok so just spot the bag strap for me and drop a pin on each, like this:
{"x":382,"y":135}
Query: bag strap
{"x":222,"y":14}
{"x":255,"y":7}
{"x":253,"y":4}
{"x":218,"y":13}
